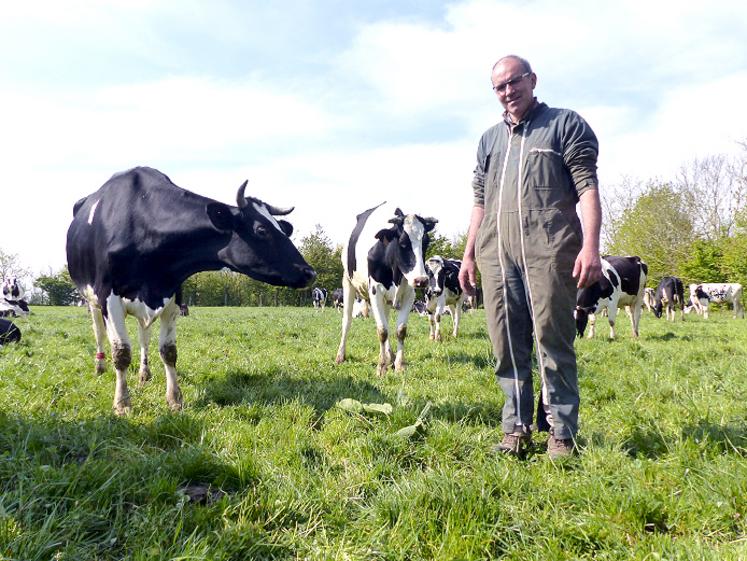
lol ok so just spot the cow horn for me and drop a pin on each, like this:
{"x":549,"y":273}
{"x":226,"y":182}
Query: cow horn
{"x":240,"y":198}
{"x":275,"y":211}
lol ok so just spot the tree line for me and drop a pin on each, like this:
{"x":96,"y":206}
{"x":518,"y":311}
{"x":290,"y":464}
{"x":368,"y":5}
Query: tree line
{"x":693,"y":226}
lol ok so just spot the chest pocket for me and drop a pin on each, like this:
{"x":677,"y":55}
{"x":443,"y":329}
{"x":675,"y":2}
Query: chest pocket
{"x":547,"y":178}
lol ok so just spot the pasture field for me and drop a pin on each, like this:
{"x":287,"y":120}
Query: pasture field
{"x":262,"y":464}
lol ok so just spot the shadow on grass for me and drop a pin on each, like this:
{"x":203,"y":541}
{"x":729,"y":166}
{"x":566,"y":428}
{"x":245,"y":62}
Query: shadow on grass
{"x":275,"y":387}
{"x":729,"y":438}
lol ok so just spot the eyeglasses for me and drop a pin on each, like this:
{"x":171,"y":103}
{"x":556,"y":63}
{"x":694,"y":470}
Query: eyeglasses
{"x":500,"y":88}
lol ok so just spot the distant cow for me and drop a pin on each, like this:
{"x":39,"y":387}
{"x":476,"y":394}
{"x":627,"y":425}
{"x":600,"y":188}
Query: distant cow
{"x":11,"y":301}
{"x":360,"y":308}
{"x":718,"y":293}
{"x":383,"y":264}
{"x":699,"y":301}
{"x":419,"y":307}
{"x":9,"y":332}
{"x":670,"y":293}
{"x":319,"y":297}
{"x":337,"y":298}
{"x":444,"y":294}
{"x":622,"y":284}
{"x":648,"y":299}
{"x":183,"y":310}
{"x":132,"y":244}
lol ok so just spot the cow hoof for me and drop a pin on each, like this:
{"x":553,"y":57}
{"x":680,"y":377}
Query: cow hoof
{"x":399,"y":366}
{"x":339,"y":359}
{"x":123,"y":407}
{"x":174,"y":399}
{"x":381,"y":369}
{"x":100,"y":367}
{"x":439,"y":338}
{"x":145,"y":375}
{"x":432,"y":337}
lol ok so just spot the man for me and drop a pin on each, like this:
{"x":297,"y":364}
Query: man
{"x":526,"y":238}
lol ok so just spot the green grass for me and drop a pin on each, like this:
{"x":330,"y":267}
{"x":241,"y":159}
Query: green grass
{"x":281,"y":473}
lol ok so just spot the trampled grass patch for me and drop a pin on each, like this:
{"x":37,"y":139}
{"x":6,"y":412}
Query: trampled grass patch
{"x":262,"y":464}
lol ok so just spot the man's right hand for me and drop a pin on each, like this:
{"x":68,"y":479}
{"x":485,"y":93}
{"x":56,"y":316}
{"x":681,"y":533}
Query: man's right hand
{"x":468,"y":276}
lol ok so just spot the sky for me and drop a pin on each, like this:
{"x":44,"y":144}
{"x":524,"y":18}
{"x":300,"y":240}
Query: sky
{"x":334,"y":106}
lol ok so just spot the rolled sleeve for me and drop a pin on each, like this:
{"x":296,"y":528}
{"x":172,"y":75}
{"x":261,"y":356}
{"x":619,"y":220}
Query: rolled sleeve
{"x":580,"y":153}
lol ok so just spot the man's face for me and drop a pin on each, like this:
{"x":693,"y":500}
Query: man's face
{"x":514,"y":87}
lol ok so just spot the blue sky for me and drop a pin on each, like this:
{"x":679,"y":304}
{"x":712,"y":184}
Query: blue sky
{"x":336,"y":106}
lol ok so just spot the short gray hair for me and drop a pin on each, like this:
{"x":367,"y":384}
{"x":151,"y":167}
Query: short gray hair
{"x":524,"y":62}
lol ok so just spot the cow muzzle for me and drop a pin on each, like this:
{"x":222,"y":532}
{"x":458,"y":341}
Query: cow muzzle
{"x":421,"y":282}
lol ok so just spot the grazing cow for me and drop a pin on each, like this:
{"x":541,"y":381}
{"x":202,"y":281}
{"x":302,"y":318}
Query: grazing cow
{"x":443,"y":294}
{"x":360,"y":308}
{"x":419,"y":307}
{"x":319,"y":297}
{"x":11,"y":302}
{"x":183,"y":310}
{"x":383,"y":264}
{"x":669,"y":293}
{"x":718,"y":293}
{"x":9,"y":332}
{"x":132,"y":244}
{"x":699,"y":301}
{"x":648,"y":299}
{"x":622,"y":284}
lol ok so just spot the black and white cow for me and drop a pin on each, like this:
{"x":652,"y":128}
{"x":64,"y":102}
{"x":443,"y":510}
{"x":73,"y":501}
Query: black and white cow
{"x":132,"y":244}
{"x":337,"y":298}
{"x":9,"y":332}
{"x":319,"y":297}
{"x":443,"y":294}
{"x":622,"y":284}
{"x":648,"y":299}
{"x":361,"y":309}
{"x":670,"y":292}
{"x":718,"y":293}
{"x":383,"y":264}
{"x":12,"y":302}
{"x":699,"y":301}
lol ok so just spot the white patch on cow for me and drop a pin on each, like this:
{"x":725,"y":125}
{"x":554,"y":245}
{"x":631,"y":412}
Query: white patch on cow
{"x":93,"y":211}
{"x":264,"y":212}
{"x":90,"y":295}
{"x":415,"y":231}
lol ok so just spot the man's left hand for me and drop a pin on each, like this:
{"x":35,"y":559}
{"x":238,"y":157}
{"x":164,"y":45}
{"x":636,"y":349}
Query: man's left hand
{"x":588,"y":268}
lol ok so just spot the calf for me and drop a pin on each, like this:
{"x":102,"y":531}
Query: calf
{"x":648,"y":299}
{"x":443,"y":294}
{"x":133,"y":243}
{"x":669,"y":293}
{"x":719,"y":293}
{"x":622,"y":284}
{"x":9,"y":332}
{"x":319,"y":297}
{"x":383,"y":264}
{"x":337,"y":298}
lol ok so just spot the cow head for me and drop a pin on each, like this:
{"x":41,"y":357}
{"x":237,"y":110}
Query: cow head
{"x":587,"y":302}
{"x":657,"y":308}
{"x":406,"y":243}
{"x":260,"y":244}
{"x":12,"y":290}
{"x":436,"y":273}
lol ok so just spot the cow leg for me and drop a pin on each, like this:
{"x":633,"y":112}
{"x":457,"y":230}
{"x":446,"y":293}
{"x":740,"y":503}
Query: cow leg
{"x":635,"y":317}
{"x":381,"y":317}
{"x":611,"y":316}
{"x":121,"y":353}
{"x":143,"y":334}
{"x":456,"y":315}
{"x":99,"y":332}
{"x":402,"y":315}
{"x":347,"y":315}
{"x":432,"y":325}
{"x":167,"y":348}
{"x":592,"y":326}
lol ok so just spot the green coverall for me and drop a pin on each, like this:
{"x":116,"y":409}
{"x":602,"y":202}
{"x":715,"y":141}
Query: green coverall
{"x":529,"y":178}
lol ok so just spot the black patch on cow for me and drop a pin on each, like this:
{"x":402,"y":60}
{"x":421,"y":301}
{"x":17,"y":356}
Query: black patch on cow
{"x":353,"y":242}
{"x":9,"y":332}
{"x":629,"y":270}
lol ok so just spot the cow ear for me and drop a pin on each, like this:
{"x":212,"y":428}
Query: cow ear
{"x":286,"y":227}
{"x":386,"y":235}
{"x":428,"y":223}
{"x":220,"y":215}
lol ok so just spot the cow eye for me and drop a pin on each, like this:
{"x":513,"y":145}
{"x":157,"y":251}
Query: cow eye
{"x":261,"y":231}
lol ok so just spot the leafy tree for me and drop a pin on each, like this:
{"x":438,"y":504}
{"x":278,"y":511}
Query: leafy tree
{"x":325,"y":258}
{"x":657,"y":228}
{"x":10,"y":266}
{"x":441,"y":245}
{"x":704,"y":262}
{"x":59,"y":288}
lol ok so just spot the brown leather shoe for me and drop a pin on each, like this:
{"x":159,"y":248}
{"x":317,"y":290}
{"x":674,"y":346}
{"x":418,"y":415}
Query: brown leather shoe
{"x":513,"y":444}
{"x":560,"y":447}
